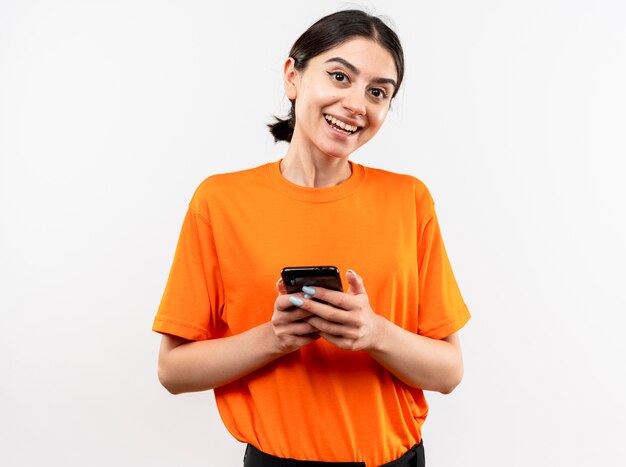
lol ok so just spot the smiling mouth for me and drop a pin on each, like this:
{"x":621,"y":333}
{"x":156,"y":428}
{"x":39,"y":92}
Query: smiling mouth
{"x":341,"y":126}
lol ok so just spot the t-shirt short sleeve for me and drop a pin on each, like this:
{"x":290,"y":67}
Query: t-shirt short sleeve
{"x":442,"y":310}
{"x":193,"y":298}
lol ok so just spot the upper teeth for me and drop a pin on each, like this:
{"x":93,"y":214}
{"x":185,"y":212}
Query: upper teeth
{"x":340,"y":124}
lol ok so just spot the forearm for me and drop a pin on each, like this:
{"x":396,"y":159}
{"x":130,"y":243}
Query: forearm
{"x":203,"y":365}
{"x":430,"y":364}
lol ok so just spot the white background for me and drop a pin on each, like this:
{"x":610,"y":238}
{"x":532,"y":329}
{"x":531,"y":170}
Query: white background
{"x":111,"y":113}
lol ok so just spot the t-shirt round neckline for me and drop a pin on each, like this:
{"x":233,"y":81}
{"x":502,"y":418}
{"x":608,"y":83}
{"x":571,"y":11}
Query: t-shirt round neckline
{"x":320,"y":195}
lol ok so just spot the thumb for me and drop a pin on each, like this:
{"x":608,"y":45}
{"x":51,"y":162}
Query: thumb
{"x":356,"y":283}
{"x":280,"y":286}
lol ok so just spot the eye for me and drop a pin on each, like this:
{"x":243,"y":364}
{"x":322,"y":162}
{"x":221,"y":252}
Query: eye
{"x":338,"y":76}
{"x":379,"y":93}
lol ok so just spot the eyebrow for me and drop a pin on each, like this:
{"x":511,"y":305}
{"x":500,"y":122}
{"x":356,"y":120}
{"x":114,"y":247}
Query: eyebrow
{"x":356,"y":71}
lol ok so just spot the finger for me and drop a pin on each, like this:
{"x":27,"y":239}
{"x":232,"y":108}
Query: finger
{"x":336,"y":329}
{"x":341,"y":342}
{"x":283,"y":301}
{"x":356,"y":283}
{"x":290,"y":316}
{"x":300,"y":328}
{"x":301,"y":341}
{"x":280,"y":286}
{"x":328,"y":312}
{"x":332,"y":297}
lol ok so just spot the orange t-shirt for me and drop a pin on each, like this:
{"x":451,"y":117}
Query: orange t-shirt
{"x":319,"y":402}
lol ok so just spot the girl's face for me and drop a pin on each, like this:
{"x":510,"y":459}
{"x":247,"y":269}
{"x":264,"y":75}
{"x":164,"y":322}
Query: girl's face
{"x":342,"y":97}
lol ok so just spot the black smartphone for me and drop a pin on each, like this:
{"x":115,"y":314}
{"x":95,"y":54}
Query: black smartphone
{"x":295,"y":277}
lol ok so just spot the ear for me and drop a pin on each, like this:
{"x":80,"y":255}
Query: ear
{"x":291,"y":78}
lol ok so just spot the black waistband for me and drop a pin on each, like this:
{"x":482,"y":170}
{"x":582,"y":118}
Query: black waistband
{"x":414,"y":457}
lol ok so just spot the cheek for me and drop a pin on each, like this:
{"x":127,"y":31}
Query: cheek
{"x":378,"y":117}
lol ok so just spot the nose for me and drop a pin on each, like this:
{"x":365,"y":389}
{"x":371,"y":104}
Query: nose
{"x":354,"y":101}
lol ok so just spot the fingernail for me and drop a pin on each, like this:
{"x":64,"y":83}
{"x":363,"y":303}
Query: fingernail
{"x":308,"y":290}
{"x":355,"y":274}
{"x":307,"y":296}
{"x":296,"y":301}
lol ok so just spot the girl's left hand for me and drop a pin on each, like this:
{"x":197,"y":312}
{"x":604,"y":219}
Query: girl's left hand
{"x":350,"y":323}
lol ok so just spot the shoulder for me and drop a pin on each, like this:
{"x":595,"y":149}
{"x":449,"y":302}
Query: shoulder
{"x":223,"y":186}
{"x":405,"y":184}
{"x":221,"y":181}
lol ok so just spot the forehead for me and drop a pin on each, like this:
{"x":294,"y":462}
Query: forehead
{"x":368,"y":56}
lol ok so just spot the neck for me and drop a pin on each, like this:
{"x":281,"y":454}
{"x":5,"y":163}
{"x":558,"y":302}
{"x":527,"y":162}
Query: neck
{"x":315,"y":172}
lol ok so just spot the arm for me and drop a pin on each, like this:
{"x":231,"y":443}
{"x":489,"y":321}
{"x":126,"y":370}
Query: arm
{"x":188,"y":366}
{"x":432,"y":364}
{"x":351,"y":324}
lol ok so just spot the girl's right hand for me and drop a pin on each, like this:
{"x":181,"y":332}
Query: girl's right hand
{"x":290,"y":330}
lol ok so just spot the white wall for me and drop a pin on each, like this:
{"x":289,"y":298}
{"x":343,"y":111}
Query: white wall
{"x":112,"y":112}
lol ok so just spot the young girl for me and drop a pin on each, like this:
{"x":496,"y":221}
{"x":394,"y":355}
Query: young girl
{"x":341,"y":382}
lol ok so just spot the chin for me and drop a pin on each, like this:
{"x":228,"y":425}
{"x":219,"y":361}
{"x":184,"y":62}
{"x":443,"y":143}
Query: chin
{"x":336,"y":153}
